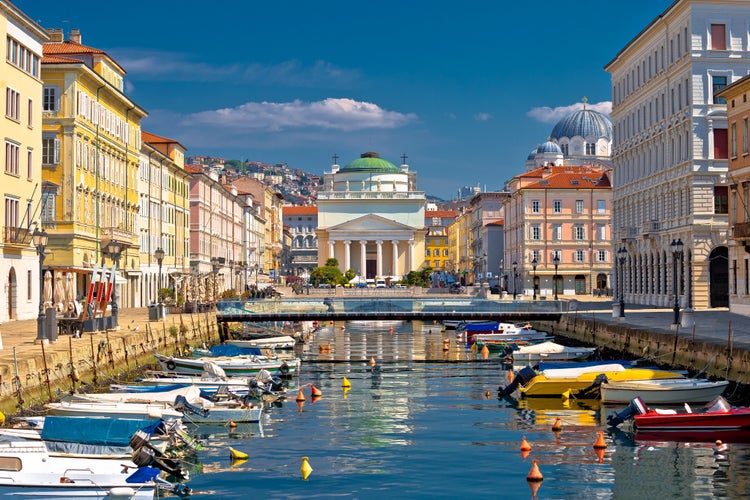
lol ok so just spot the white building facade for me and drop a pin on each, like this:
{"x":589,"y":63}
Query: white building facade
{"x":670,"y":152}
{"x":371,"y":218}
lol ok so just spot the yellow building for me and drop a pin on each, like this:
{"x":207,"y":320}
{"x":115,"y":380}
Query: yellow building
{"x":91,"y":148}
{"x":21,"y":130}
{"x":163,"y":219}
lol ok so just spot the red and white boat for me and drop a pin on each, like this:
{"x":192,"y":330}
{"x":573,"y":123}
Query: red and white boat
{"x":718,"y":415}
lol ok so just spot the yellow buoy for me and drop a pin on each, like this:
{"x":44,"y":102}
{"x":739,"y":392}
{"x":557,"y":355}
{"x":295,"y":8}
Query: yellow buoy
{"x":346,"y":383}
{"x":305,"y":468}
{"x":237,"y":454}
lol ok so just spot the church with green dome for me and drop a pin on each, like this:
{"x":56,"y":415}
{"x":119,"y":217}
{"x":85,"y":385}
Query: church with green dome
{"x":371,"y":218}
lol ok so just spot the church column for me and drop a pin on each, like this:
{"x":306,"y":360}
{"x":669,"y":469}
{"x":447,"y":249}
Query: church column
{"x":410,"y":261}
{"x":394,"y":269}
{"x":363,"y":258}
{"x":347,"y":255}
{"x":379,"y":257}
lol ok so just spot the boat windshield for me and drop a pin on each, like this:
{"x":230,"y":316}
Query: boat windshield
{"x":718,"y":405}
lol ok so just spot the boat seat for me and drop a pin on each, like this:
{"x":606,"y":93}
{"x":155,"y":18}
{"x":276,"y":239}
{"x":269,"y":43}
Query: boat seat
{"x":665,"y":412}
{"x":688,"y":409}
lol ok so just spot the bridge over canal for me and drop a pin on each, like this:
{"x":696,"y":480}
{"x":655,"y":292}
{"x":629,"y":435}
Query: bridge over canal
{"x":309,"y":308}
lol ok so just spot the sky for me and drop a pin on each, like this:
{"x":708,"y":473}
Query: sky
{"x":465,"y":89}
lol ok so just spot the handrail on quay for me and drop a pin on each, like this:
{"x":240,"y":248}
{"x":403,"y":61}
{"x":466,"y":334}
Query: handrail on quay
{"x":383,"y":308}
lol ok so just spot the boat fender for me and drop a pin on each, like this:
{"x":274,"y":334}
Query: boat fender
{"x":284,"y":369}
{"x":171,"y":365}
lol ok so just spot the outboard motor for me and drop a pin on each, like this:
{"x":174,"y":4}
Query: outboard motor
{"x":636,"y":407}
{"x":523,"y":377}
{"x":592,"y":391}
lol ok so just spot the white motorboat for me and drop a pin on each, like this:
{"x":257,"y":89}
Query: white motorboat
{"x":232,"y":365}
{"x":549,"y":351}
{"x":29,"y":471}
{"x":149,"y":411}
{"x":270,"y":342}
{"x":667,"y":391}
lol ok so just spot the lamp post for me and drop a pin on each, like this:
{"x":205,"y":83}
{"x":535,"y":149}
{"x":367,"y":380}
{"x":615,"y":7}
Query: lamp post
{"x":159,"y":254}
{"x":556,"y":262}
{"x":39,"y":239}
{"x":515,"y":280}
{"x":114,"y":248}
{"x":215,"y":268}
{"x":533,"y":265}
{"x":621,"y":254}
{"x":676,"y":255}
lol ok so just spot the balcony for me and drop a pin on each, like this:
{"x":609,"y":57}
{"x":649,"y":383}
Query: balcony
{"x":17,"y":236}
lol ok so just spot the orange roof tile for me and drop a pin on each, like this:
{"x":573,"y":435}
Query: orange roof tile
{"x":300,"y":210}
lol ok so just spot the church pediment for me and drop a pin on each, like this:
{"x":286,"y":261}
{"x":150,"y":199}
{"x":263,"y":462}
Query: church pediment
{"x":370,"y":223}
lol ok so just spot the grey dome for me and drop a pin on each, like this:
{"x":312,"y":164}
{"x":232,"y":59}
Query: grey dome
{"x":549,"y":147}
{"x":584,"y":123}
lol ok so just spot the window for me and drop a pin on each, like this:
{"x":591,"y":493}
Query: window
{"x":601,"y":256}
{"x":536,"y":232}
{"x":718,"y":37}
{"x":719,"y":82}
{"x":50,"y":151}
{"x":601,"y":206}
{"x":557,"y":232}
{"x":579,"y":256}
{"x":12,"y":157}
{"x":579,"y":206}
{"x":534,"y":206}
{"x":579,"y":233}
{"x":720,"y":143}
{"x":557,"y":206}
{"x":12,"y":104}
{"x":721,"y":200}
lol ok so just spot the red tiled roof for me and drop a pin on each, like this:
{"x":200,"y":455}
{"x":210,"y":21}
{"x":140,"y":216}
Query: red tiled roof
{"x":443,"y":214}
{"x":300,"y":210}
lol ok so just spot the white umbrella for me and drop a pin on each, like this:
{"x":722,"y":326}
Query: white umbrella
{"x":47,"y":292}
{"x":59,"y":292}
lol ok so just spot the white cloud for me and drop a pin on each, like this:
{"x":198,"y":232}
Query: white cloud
{"x":545,"y":114}
{"x":482,"y":117}
{"x":173,"y":66}
{"x":332,"y":113}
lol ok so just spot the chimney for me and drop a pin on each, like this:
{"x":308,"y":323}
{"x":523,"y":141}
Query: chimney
{"x":75,"y":36}
{"x":55,"y":35}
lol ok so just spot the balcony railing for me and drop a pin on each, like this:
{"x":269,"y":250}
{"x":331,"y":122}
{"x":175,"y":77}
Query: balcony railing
{"x":17,"y":235}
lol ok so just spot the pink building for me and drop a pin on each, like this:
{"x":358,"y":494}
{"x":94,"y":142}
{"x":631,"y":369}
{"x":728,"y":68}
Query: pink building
{"x":559,"y":215}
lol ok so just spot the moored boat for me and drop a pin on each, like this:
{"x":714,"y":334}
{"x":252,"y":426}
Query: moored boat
{"x":665,"y":391}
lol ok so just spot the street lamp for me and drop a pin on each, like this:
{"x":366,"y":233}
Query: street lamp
{"x":114,"y":248}
{"x":159,"y":254}
{"x":621,"y":254}
{"x":215,"y":268}
{"x":676,"y":255}
{"x":39,"y":239}
{"x":515,"y":279}
{"x":533,"y":265}
{"x":556,"y":262}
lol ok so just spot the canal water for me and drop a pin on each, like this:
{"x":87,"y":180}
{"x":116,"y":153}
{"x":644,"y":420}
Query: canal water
{"x":425,"y":422}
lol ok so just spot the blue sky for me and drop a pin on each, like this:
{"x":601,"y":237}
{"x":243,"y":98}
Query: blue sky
{"x":465,"y":89}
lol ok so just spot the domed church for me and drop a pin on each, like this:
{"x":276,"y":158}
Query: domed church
{"x":584,"y":137}
{"x":371,"y":218}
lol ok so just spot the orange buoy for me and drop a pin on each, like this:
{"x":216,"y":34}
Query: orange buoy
{"x":314,"y":391}
{"x":300,"y":396}
{"x":600,"y":444}
{"x":525,"y":446}
{"x":557,"y":426}
{"x":535,"y":475}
